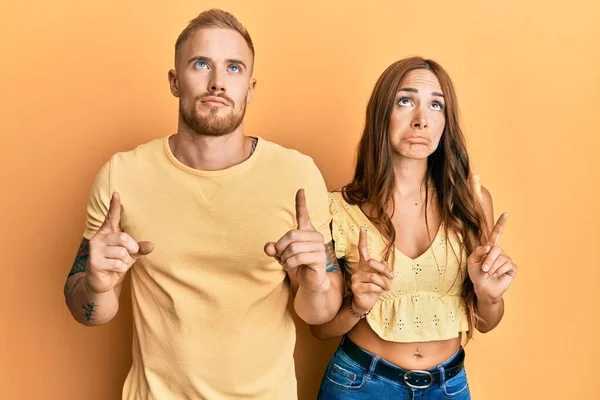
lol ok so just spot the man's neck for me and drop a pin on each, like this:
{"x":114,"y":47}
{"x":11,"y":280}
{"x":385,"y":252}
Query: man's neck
{"x":209,"y":153}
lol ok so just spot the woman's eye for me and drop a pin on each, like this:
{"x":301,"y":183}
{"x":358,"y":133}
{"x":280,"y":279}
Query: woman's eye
{"x":437,"y":106}
{"x":404,"y":102}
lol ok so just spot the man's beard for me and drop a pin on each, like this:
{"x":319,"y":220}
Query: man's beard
{"x":211,"y":124}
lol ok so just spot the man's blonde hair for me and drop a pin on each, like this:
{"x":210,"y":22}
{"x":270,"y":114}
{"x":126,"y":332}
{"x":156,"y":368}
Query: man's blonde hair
{"x":214,"y":18}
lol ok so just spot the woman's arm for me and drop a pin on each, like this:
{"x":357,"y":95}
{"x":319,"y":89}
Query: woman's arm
{"x":491,"y":271}
{"x":341,"y":324}
{"x":369,"y":280}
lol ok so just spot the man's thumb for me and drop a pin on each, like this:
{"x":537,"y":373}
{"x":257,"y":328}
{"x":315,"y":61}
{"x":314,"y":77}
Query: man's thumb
{"x":145,"y":248}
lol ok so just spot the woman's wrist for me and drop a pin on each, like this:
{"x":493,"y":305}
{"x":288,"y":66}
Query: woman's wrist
{"x":358,"y":312}
{"x":487,"y":300}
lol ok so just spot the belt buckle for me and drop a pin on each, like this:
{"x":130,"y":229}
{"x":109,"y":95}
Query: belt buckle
{"x":418,"y":371}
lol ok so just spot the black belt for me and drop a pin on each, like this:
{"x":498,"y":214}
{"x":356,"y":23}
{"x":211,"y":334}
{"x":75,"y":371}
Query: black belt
{"x":418,"y":379}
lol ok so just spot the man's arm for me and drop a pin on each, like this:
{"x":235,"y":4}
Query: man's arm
{"x":319,"y":306}
{"x":342,"y":323}
{"x":88,"y":308}
{"x":94,"y":283}
{"x":369,"y":279}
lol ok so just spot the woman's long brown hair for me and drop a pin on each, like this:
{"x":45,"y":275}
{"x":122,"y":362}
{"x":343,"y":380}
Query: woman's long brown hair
{"x":448,"y":170}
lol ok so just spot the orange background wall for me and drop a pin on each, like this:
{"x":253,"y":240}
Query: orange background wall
{"x":81,"y":80}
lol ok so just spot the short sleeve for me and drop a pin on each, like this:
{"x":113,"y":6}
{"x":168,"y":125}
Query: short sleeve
{"x":317,"y":200}
{"x":98,"y":202}
{"x":338,"y":226}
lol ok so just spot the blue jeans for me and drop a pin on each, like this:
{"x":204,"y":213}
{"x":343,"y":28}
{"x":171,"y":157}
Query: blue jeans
{"x":345,"y":379}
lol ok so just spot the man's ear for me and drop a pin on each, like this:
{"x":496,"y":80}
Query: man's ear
{"x":174,"y":82}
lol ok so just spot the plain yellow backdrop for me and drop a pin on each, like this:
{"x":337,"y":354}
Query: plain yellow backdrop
{"x":82,"y":80}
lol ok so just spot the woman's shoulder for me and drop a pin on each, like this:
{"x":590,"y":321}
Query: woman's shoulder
{"x":344,"y":211}
{"x":485,"y":197}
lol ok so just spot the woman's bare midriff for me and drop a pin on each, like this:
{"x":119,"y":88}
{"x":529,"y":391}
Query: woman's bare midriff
{"x":417,"y":355}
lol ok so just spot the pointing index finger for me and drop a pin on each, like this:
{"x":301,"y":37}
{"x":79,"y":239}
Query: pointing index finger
{"x":302,"y":215}
{"x":498,"y":230}
{"x":363,"y":246}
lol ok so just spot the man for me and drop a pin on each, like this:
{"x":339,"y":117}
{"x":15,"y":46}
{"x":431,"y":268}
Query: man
{"x":209,"y":297}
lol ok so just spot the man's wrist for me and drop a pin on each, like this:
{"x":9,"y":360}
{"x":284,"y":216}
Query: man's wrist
{"x":323,"y":288}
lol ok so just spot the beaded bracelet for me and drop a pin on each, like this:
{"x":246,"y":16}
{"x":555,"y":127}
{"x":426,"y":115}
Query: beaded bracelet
{"x":357,"y":315}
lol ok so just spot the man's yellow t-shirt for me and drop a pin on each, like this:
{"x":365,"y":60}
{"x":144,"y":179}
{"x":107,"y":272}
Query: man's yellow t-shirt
{"x":209,"y":307}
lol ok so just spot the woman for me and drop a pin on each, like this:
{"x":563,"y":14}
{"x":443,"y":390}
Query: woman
{"x":414,"y":230}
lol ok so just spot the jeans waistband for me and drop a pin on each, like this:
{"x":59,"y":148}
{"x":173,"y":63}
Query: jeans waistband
{"x":418,"y":379}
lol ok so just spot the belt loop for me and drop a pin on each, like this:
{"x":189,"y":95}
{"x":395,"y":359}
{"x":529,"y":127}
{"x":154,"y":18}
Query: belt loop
{"x":442,"y":374}
{"x":374,"y":360}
